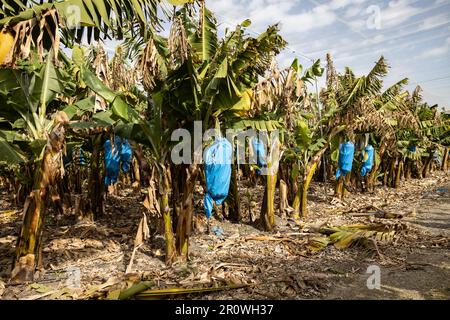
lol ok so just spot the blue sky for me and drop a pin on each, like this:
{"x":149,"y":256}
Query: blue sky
{"x":414,"y":36}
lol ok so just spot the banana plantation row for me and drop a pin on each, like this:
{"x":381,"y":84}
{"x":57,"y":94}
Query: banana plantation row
{"x":64,"y":106}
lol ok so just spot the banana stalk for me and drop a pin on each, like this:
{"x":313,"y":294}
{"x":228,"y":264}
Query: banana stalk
{"x":164,"y":205}
{"x":233,"y":199}
{"x":301,"y":198}
{"x":398,"y":175}
{"x":162,"y":293}
{"x":445,"y":159}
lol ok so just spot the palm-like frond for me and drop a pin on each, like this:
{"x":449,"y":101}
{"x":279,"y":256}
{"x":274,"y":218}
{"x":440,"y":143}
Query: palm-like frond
{"x":369,"y":85}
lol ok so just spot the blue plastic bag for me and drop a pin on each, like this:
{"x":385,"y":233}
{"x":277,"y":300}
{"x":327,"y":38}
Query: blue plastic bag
{"x":126,"y":155}
{"x":121,"y":154}
{"x":258,"y":148}
{"x":217,"y":173}
{"x":81,"y":158}
{"x":412,"y":148}
{"x":112,"y":160}
{"x":367,"y":164}
{"x":345,"y":162}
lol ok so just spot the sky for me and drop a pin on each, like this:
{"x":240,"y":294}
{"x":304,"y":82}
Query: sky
{"x":413,"y":35}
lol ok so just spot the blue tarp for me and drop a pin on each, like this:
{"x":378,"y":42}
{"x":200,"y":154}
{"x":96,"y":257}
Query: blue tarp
{"x":122,"y":153}
{"x":345,"y":162}
{"x":259,"y":150}
{"x":367,"y":163}
{"x":217,"y":172}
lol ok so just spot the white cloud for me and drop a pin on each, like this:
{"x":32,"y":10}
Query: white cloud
{"x":338,"y":4}
{"x":266,"y":12}
{"x":437,"y":51}
{"x":434,"y":21}
{"x":398,"y":12}
{"x":391,"y":15}
{"x":352,"y":12}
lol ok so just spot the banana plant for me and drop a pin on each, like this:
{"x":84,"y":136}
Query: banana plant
{"x":28,"y":98}
{"x":26,"y":94}
{"x":193,"y":76}
{"x":283,"y":95}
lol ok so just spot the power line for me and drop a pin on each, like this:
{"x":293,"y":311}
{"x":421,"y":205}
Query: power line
{"x":431,"y":80}
{"x":352,"y":48}
{"x":342,"y":21}
{"x":320,"y":52}
{"x":391,"y":49}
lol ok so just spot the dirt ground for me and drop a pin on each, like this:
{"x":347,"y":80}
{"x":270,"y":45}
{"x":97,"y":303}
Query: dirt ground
{"x":275,"y":265}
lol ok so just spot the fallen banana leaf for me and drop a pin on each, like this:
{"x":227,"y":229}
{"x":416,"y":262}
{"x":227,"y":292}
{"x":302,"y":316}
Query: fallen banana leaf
{"x":136,"y":289}
{"x":345,"y":236}
{"x":40,"y":288}
{"x":158,"y":294}
{"x":318,"y":243}
{"x":95,"y":289}
{"x":113,"y":295}
{"x":8,"y":212}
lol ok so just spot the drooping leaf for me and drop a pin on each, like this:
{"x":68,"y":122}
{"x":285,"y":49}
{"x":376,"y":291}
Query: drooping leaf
{"x":9,"y":154}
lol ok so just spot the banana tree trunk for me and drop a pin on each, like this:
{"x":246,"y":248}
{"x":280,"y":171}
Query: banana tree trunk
{"x":96,"y":186}
{"x":301,"y":198}
{"x":268,"y":205}
{"x":185,"y":207}
{"x":293,"y":184}
{"x":339,"y":188}
{"x":371,"y":181}
{"x":347,"y":183}
{"x":427,"y":166}
{"x":408,"y":169}
{"x":445,"y":160}
{"x":164,"y":188}
{"x":398,"y":174}
{"x":136,"y":174}
{"x":392,"y":171}
{"x":29,"y":242}
{"x":233,"y":199}
{"x":284,"y":202}
{"x":300,"y":204}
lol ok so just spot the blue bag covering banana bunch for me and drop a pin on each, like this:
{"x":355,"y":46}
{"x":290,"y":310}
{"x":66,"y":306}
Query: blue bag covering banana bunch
{"x":126,"y":155}
{"x":217,"y":172}
{"x":114,"y":155}
{"x":367,"y":163}
{"x":260,"y":153}
{"x":345,"y":162}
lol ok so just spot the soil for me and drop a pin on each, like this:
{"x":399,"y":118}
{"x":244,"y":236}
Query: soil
{"x":271,"y":265}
